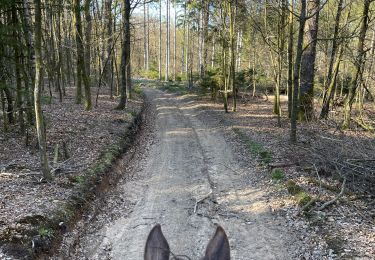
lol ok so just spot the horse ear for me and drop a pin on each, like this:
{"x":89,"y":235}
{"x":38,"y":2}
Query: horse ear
{"x":218,"y":247}
{"x":157,"y":247}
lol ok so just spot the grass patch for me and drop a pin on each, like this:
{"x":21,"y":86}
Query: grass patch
{"x":300,"y":195}
{"x":303,"y":198}
{"x":256,"y":149}
{"x":45,"y":232}
{"x":293,"y":188}
{"x":277,"y":175}
{"x":79,"y":179}
{"x":174,"y":87}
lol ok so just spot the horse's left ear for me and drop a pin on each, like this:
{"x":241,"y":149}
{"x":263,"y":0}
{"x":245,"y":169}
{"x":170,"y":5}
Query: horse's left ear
{"x":157,"y":247}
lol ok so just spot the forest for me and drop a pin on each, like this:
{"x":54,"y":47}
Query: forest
{"x":86,"y":93}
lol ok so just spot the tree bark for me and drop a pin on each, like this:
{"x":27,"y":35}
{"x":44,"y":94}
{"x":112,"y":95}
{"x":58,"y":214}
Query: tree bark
{"x":81,"y":66}
{"x":125,"y":57}
{"x":296,"y":75}
{"x":306,"y":106}
{"x":109,"y":66}
{"x":17,"y":58}
{"x":329,"y":88}
{"x":359,"y":64}
{"x":290,"y":60}
{"x":37,"y":93}
{"x":160,"y":31}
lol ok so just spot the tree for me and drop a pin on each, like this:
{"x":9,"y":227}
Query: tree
{"x":359,"y":64}
{"x":306,"y":104}
{"x":81,"y":65}
{"x":296,"y":73}
{"x":37,"y":93}
{"x":329,"y":88}
{"x":125,"y":57}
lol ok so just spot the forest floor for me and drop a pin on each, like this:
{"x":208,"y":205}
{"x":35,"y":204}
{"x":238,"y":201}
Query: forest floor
{"x":202,"y":167}
{"x":82,"y":137}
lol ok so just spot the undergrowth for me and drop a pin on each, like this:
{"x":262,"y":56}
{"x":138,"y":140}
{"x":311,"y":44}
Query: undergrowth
{"x":256,"y":149}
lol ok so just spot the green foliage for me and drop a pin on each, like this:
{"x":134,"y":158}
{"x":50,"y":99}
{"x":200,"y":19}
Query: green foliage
{"x":133,"y":113}
{"x":300,"y":195}
{"x":79,"y":179}
{"x":175,"y":87}
{"x":278,"y":174}
{"x":303,"y":198}
{"x":45,"y":232}
{"x":256,"y":149}
{"x":46,"y":100}
{"x":137,"y":90}
{"x":152,"y":73}
{"x":293,"y":188}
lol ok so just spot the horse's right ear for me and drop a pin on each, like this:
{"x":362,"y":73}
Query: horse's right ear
{"x":157,"y":247}
{"x":218,"y":247}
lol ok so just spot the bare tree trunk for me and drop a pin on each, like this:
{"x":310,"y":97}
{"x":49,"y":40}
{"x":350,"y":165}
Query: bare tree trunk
{"x":280,"y":60}
{"x":145,"y":47}
{"x":306,"y":106}
{"x":329,"y":88}
{"x":109,"y":67}
{"x":297,"y":66}
{"x":359,"y":64}
{"x":160,"y":31}
{"x":213,"y":52}
{"x":175,"y":44}
{"x":37,"y":93}
{"x":88,"y":37}
{"x":167,"y":42}
{"x":290,"y":60}
{"x":17,"y":58}
{"x":81,"y":68}
{"x":125,"y":57}
{"x":232,"y":75}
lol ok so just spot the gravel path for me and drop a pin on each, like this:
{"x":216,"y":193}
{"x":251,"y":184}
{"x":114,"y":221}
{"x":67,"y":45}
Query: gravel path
{"x":188,"y":179}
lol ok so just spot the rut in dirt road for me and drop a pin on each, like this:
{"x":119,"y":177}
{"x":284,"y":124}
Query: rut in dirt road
{"x":186,"y":184}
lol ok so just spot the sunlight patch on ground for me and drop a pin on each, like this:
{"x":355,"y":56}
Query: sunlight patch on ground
{"x":245,"y":200}
{"x":179,"y":132}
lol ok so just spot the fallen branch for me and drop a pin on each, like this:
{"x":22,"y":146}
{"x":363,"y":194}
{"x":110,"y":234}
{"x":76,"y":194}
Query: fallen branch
{"x":200,"y":200}
{"x":312,"y":201}
{"x":325,"y":205}
{"x":281,"y":165}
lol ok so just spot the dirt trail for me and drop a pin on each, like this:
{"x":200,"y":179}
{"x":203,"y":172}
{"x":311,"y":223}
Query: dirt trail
{"x":188,"y":162}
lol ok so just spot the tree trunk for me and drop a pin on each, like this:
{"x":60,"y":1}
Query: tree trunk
{"x":125,"y":57}
{"x":175,"y":44}
{"x":109,"y":67}
{"x":167,"y":44}
{"x":328,"y":88}
{"x":81,"y":66}
{"x":205,"y":43}
{"x":88,"y":31}
{"x":145,"y":47}
{"x":290,"y":60}
{"x":17,"y":58}
{"x":232,"y":64}
{"x":359,"y":64}
{"x":297,"y":66}
{"x":306,"y":106}
{"x":160,"y":31}
{"x":37,"y":93}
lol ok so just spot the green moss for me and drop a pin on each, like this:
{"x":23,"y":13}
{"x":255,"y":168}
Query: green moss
{"x":293,"y":188}
{"x":256,"y":149}
{"x":277,"y":174}
{"x":303,"y":198}
{"x":45,"y":232}
{"x":78,"y":179}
